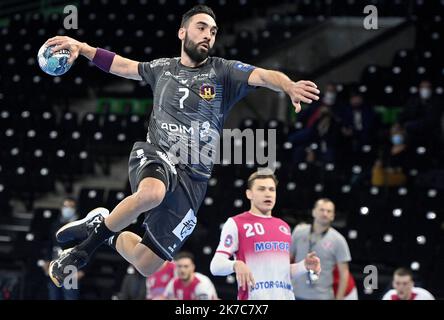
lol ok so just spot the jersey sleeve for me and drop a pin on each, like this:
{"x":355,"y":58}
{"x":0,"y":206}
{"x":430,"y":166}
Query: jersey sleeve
{"x":150,"y":71}
{"x":205,"y":290}
{"x":236,"y":85}
{"x":229,"y":238}
{"x":342,"y":252}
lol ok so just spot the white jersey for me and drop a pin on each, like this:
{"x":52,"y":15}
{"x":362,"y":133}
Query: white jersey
{"x":263,"y":243}
{"x":417,"y":294}
{"x":200,"y":288}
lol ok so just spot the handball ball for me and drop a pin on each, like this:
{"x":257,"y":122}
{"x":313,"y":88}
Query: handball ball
{"x":55,"y":63}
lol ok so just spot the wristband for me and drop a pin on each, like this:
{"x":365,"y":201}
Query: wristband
{"x":103,"y":59}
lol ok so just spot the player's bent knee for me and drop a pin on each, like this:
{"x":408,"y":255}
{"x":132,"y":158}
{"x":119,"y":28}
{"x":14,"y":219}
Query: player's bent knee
{"x":148,"y":199}
{"x":150,"y":195}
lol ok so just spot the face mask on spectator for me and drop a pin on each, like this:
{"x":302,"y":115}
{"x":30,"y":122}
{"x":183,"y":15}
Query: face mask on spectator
{"x":329,"y":98}
{"x":425,"y":93}
{"x":397,"y":139}
{"x":67,"y":213}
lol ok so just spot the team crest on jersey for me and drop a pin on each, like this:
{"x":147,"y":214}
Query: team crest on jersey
{"x":207,"y":92}
{"x":228,"y":241}
{"x":284,"y":230}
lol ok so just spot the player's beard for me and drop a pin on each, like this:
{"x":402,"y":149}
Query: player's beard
{"x":193,"y":51}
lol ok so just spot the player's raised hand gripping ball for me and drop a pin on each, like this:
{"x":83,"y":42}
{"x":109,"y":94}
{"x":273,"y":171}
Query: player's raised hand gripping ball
{"x":53,"y":63}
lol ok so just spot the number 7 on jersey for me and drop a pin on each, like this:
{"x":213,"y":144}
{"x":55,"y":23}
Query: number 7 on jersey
{"x":186,"y":92}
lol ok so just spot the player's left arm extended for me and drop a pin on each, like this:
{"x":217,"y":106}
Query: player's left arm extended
{"x":300,"y":91}
{"x":343,"y":280}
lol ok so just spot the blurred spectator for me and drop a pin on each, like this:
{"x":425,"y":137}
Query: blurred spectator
{"x":421,"y":117}
{"x":390,"y":168}
{"x":329,"y":97}
{"x":322,"y":129}
{"x":404,"y":288}
{"x":188,"y":284}
{"x":396,"y":157}
{"x":359,"y":122}
{"x":67,"y":214}
{"x":321,"y":126}
{"x":133,"y":286}
{"x":157,"y":282}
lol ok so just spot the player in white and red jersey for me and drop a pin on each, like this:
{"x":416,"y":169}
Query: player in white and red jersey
{"x":404,"y":288}
{"x":188,"y":284}
{"x":157,"y":282}
{"x":260,"y":245}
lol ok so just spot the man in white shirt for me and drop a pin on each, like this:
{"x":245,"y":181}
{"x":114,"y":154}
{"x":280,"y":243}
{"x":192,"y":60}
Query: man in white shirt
{"x":404,"y":288}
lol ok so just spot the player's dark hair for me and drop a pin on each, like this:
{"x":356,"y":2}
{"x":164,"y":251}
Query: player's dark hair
{"x":183,"y":255}
{"x":403,"y":272}
{"x":196,"y":10}
{"x":261,"y":174}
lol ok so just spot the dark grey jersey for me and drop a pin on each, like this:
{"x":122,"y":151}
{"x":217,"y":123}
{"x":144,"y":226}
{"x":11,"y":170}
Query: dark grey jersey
{"x":190,"y":107}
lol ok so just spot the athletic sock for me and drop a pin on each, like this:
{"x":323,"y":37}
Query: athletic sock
{"x":112,"y":241}
{"x":101,"y":234}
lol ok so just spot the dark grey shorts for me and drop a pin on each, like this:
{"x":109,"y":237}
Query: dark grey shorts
{"x":172,"y":222}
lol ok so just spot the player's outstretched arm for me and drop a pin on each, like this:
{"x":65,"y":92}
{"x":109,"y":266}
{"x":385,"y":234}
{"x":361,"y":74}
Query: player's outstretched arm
{"x":118,"y":65}
{"x":301,"y":91}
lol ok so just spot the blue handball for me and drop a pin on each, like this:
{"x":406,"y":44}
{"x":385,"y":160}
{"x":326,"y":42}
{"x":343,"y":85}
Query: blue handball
{"x":54,"y":64}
